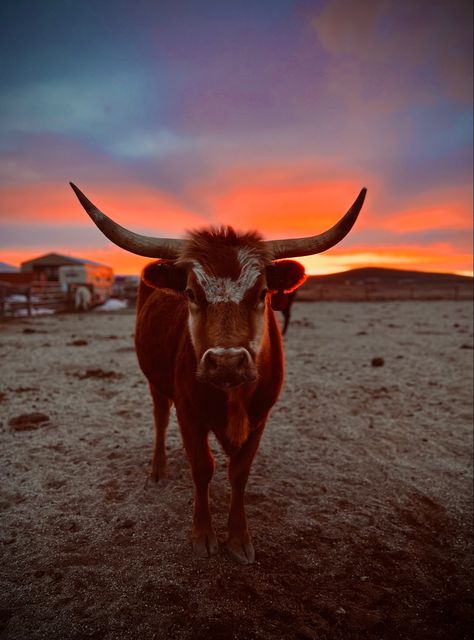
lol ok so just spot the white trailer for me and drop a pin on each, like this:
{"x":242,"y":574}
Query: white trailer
{"x":96,"y":277}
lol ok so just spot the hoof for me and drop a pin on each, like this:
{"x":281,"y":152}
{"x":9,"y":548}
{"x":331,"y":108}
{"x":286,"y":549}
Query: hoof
{"x":241,"y":549}
{"x":205,"y":545}
{"x":161,"y":482}
{"x":157,"y":475}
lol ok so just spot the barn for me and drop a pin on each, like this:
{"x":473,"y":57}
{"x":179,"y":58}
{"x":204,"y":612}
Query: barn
{"x":70,"y":272}
{"x":50,"y":281}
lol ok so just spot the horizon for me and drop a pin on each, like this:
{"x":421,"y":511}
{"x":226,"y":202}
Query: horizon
{"x":270,"y":117}
{"x":320,"y":273}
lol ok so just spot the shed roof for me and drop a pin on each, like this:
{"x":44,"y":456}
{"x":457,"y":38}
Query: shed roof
{"x":55,"y":260}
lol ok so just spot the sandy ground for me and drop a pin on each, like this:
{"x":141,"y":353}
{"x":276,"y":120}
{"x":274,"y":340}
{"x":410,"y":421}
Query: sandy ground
{"x":360,"y":498}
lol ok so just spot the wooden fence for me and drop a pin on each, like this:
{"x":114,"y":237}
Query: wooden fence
{"x":32,"y":299}
{"x":378,"y":292}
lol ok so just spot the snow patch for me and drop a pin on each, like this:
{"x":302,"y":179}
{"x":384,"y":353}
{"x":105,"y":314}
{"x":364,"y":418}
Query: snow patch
{"x":112,"y":304}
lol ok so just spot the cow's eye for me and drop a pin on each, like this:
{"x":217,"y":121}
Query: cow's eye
{"x":190,"y":295}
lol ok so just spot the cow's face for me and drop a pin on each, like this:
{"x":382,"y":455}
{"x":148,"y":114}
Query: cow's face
{"x":227,"y":292}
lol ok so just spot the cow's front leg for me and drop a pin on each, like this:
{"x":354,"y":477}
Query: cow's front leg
{"x":238,"y":542}
{"x":204,"y":539}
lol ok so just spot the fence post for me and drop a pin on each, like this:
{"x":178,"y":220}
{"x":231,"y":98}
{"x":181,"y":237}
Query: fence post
{"x":28,"y":301}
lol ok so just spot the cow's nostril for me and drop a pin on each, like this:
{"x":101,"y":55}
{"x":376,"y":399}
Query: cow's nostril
{"x":242,"y":360}
{"x":211,"y":361}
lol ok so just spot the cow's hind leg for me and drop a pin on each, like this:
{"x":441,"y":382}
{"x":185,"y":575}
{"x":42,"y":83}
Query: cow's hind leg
{"x":161,"y":414}
{"x":286,"y":316}
{"x":238,"y":542}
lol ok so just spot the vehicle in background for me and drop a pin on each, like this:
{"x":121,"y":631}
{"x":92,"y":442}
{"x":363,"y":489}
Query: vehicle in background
{"x":96,"y":277}
{"x":126,"y":287}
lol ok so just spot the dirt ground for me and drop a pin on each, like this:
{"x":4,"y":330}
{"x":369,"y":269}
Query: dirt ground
{"x":359,"y":500}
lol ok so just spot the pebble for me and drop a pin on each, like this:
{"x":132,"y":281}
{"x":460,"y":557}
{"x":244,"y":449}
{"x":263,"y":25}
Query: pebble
{"x":378,"y":362}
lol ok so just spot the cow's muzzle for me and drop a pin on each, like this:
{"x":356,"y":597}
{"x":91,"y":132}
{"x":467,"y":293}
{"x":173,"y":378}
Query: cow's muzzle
{"x":226,"y":367}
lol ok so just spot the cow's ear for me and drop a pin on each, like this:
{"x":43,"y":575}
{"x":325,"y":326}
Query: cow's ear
{"x":285,"y":276}
{"x":164,"y":274}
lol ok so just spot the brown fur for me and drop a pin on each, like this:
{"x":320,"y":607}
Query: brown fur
{"x":215,"y":249}
{"x":170,"y":361}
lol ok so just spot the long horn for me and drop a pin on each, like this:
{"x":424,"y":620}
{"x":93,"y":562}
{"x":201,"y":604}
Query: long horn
{"x":167,"y":248}
{"x":291,"y":248}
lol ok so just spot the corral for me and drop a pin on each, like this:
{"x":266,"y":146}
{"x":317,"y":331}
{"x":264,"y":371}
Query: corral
{"x":360,"y":496}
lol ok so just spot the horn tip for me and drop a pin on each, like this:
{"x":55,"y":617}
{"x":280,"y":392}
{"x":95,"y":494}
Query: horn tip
{"x":89,"y":207}
{"x":361,"y":197}
{"x":76,"y":190}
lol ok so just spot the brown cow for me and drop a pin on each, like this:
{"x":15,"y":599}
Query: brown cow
{"x":282,"y":302}
{"x":208,"y":342}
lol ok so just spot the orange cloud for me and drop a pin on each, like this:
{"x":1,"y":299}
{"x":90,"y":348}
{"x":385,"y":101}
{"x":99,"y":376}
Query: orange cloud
{"x":441,"y":209}
{"x":131,"y":205}
{"x":276,"y":205}
{"x":436,"y":258}
{"x":277,"y":202}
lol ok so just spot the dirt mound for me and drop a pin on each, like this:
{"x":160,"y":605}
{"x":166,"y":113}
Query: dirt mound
{"x":28,"y":421}
{"x":98,"y":373}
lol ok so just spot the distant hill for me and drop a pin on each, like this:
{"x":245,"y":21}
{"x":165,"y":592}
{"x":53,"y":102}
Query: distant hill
{"x":377,"y":283}
{"x":8,"y":268}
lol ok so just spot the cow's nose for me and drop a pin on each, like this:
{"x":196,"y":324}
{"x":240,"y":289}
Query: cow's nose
{"x":232,"y":358}
{"x":226,"y":367}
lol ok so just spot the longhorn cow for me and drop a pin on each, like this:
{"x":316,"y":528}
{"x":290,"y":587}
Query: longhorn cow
{"x":208,"y":342}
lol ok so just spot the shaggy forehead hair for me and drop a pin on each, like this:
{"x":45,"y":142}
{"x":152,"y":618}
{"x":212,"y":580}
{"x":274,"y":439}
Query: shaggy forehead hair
{"x":222,"y":252}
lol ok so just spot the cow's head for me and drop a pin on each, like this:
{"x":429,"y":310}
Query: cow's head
{"x":227,"y":279}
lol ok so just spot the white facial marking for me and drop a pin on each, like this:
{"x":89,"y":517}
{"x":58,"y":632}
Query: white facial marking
{"x":225,"y":289}
{"x":191,"y":328}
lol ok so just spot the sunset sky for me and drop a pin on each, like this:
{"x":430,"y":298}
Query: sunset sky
{"x":263,"y":114}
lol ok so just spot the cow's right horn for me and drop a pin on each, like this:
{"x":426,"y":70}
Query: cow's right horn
{"x":166,"y":248}
{"x":298,"y":247}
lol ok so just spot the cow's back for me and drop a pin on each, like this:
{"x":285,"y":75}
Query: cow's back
{"x":159,"y":333}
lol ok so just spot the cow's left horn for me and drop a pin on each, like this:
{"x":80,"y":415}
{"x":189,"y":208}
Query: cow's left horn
{"x":295,"y":247}
{"x":166,"y":248}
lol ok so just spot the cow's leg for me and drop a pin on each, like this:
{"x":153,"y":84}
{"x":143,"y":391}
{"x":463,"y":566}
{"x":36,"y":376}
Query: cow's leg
{"x":286,"y":315}
{"x":161,"y":414}
{"x":200,"y":458}
{"x":238,"y":541}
